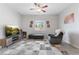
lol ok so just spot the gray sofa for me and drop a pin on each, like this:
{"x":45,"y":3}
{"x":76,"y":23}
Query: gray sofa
{"x":55,"y":39}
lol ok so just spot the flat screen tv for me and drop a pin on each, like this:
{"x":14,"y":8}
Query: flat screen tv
{"x":11,"y":31}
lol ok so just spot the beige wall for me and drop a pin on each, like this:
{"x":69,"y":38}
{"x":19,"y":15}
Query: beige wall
{"x":7,"y":17}
{"x":53,"y":23}
{"x":71,"y":35}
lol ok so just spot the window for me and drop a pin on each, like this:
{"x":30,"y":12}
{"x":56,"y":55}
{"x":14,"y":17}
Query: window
{"x":39,"y":25}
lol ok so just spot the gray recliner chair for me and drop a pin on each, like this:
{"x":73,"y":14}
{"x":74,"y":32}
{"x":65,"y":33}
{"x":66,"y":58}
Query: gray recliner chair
{"x":56,"y":39}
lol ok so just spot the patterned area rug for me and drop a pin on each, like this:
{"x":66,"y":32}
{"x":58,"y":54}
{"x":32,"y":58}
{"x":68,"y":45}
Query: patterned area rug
{"x":30,"y":47}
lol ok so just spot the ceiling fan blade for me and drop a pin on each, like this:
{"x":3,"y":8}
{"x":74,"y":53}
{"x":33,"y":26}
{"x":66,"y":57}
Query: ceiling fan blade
{"x":45,"y":6}
{"x":43,"y":10}
{"x":37,"y":4}
{"x":32,"y":8}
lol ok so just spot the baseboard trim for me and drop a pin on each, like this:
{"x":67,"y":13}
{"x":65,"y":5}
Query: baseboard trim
{"x":72,"y":45}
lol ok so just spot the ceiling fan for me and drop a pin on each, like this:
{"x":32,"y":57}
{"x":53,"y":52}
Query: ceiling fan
{"x":39,"y":7}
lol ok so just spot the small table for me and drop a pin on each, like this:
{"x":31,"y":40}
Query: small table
{"x":36,"y":36}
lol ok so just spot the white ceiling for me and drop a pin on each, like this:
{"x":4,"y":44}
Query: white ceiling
{"x":24,"y":8}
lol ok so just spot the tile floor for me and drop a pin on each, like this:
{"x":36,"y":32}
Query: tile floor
{"x":30,"y":47}
{"x":70,"y":49}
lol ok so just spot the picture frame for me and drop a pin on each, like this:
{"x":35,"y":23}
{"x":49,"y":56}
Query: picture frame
{"x":69,"y":18}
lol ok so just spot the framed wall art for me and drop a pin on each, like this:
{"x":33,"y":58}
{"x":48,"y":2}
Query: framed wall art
{"x":69,"y":18}
{"x":48,"y":24}
{"x":31,"y":24}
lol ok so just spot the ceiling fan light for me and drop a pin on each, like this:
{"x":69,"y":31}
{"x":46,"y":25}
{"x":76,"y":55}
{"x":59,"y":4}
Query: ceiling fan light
{"x":39,"y":9}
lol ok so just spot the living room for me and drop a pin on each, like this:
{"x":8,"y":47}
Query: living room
{"x":36,"y":21}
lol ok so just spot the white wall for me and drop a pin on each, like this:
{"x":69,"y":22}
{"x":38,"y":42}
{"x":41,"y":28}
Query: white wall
{"x":7,"y":17}
{"x":53,"y":23}
{"x":71,"y":35}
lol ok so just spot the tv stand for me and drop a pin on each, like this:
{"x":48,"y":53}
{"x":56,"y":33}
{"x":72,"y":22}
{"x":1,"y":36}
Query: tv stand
{"x":10,"y":40}
{"x":2,"y":43}
{"x":13,"y":39}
